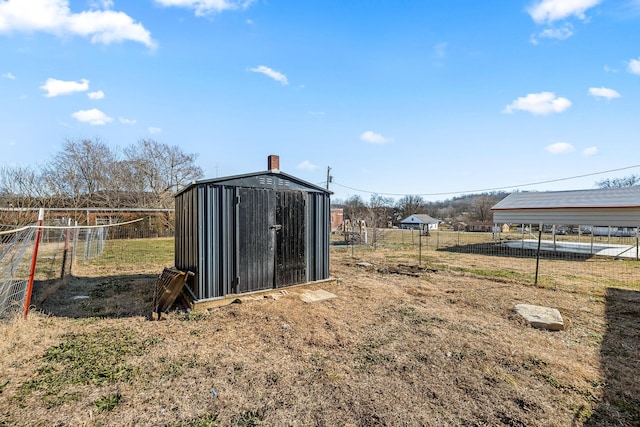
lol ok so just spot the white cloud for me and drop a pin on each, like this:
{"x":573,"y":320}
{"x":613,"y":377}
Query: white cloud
{"x":603,"y":92}
{"x":590,"y":151}
{"x":55,"y":17}
{"x":561,"y":33}
{"x":93,"y":117}
{"x":9,"y":76}
{"x":127,"y":121}
{"x":206,"y":7}
{"x":316,"y":113}
{"x":548,"y":11}
{"x":307,"y":165}
{"x":96,"y":95}
{"x":634,"y":66}
{"x":539,"y":103}
{"x":153,"y":130}
{"x":608,"y":69}
{"x":560,"y":148}
{"x":55,"y":87}
{"x":374,"y":138}
{"x":275,"y":75}
{"x":101,"y":4}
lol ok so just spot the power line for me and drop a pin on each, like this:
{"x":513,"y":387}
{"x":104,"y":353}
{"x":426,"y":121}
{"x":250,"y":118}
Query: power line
{"x":488,"y":189}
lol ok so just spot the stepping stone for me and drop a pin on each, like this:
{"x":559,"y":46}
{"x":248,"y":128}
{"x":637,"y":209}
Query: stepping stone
{"x":318,"y":295}
{"x":541,"y":317}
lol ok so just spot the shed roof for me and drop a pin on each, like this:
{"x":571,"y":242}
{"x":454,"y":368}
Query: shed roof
{"x":265,"y":179}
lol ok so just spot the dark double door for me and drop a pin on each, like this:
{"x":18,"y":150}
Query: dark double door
{"x":270,"y":239}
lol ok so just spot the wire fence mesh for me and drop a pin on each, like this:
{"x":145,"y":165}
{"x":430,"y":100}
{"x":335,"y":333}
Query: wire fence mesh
{"x":530,"y":256}
{"x":523,"y":255}
{"x":14,"y":244}
{"x":65,"y":250}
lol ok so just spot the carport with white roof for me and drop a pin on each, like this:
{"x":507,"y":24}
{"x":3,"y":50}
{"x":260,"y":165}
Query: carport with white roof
{"x":613,"y":207}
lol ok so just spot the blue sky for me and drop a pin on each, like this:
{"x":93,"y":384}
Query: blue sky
{"x":421,"y":97}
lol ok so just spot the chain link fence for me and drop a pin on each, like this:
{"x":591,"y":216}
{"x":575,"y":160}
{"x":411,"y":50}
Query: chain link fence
{"x":79,"y":250}
{"x":14,"y":244}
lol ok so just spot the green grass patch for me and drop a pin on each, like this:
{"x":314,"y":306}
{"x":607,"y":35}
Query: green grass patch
{"x":250,"y":417}
{"x":534,"y":363}
{"x":582,"y":413}
{"x":623,"y":284}
{"x":207,"y":420}
{"x":369,"y":353}
{"x":97,"y":358}
{"x":158,"y":251}
{"x":108,"y":403}
{"x":177,"y":367}
{"x":516,"y":276}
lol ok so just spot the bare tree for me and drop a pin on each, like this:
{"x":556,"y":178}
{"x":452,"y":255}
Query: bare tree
{"x":81,"y":173}
{"x":21,"y":189}
{"x":380,"y":211}
{"x":354,"y":208}
{"x":481,"y":208}
{"x":409,"y":205}
{"x":161,"y":170}
{"x":627,"y":181}
{"x":380,"y":217}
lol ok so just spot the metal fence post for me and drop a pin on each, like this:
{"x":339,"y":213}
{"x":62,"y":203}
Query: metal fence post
{"x":538,"y":254}
{"x":66,"y":248}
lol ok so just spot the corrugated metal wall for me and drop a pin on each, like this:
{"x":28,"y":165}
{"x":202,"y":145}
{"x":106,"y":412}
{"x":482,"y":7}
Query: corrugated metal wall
{"x":615,"y":217}
{"x":291,"y":264}
{"x":318,"y":232}
{"x":240,"y":239}
{"x":186,"y":218}
{"x":256,"y":238}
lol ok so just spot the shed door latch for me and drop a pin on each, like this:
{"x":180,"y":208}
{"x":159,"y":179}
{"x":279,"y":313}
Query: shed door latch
{"x":276,"y":227}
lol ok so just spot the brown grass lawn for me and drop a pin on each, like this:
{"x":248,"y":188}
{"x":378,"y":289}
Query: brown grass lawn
{"x":401,"y":345}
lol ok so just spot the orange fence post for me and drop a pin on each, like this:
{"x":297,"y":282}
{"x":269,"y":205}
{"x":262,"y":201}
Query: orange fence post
{"x":32,"y":269}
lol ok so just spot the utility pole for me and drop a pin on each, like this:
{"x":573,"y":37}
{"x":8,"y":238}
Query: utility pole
{"x":329,"y":177}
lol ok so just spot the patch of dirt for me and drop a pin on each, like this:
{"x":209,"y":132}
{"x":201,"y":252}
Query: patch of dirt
{"x":83,"y":297}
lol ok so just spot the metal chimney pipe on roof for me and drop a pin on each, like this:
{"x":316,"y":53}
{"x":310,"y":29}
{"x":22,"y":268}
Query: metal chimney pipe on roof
{"x":273,"y":163}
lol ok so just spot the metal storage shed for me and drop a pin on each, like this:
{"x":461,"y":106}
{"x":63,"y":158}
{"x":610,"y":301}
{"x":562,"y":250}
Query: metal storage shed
{"x":617,"y":207}
{"x":252,"y":232}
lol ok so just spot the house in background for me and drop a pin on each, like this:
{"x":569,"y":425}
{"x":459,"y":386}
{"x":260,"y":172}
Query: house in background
{"x":337,"y":220}
{"x":419,"y":222}
{"x":481,"y":227}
